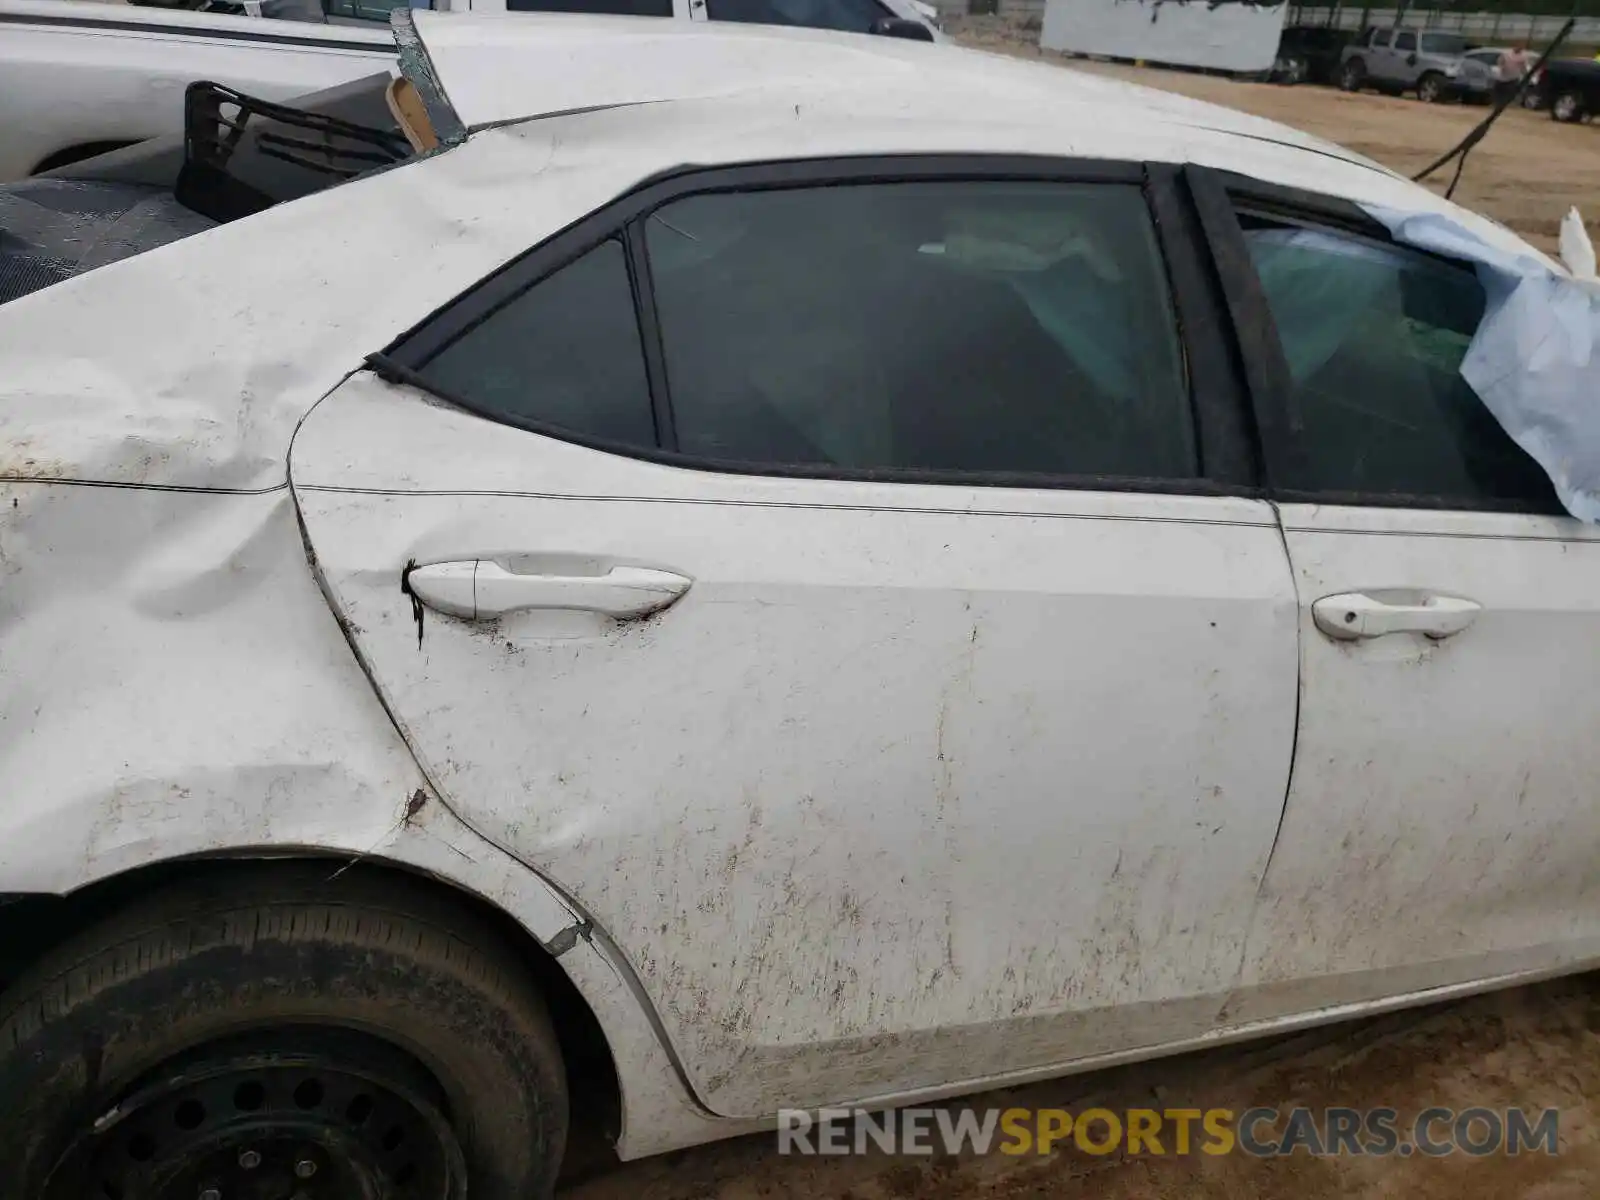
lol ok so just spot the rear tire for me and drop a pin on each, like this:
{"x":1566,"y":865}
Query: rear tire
{"x":264,"y":1020}
{"x":1352,"y":75}
{"x":1567,"y":107}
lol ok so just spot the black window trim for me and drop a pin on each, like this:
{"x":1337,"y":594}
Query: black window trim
{"x":1226,"y":441}
{"x":1221,"y":196}
{"x":1220,"y":435}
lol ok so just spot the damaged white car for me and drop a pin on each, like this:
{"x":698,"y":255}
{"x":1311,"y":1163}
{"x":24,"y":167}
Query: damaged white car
{"x":777,"y":570}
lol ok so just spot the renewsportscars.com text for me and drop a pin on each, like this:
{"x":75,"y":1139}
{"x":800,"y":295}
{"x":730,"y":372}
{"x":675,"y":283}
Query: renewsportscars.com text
{"x":1261,"y":1132}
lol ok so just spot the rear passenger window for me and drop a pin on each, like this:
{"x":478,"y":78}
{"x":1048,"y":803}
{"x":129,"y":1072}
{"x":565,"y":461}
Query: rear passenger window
{"x":565,"y":353}
{"x":1374,"y":335}
{"x":949,"y":326}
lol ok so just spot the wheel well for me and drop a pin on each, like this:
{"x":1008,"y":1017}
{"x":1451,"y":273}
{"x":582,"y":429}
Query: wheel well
{"x":31,"y":925}
{"x":72,"y":154}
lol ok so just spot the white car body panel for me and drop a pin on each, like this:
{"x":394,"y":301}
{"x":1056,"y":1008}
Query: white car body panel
{"x":1488,"y":754}
{"x":74,"y":73}
{"x":147,"y":531}
{"x":155,"y":577}
{"x":851,"y":742}
{"x":695,"y":10}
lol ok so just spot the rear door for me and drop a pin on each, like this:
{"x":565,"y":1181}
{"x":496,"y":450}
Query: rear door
{"x":1404,"y":66}
{"x":1442,"y":826}
{"x":841,"y":580}
{"x":1380,"y":55}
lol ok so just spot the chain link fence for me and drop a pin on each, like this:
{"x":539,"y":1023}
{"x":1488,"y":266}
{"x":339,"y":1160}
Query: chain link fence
{"x":1529,"y":22}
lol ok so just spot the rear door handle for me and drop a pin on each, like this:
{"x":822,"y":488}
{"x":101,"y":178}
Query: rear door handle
{"x":1353,"y":615}
{"x":481,"y":589}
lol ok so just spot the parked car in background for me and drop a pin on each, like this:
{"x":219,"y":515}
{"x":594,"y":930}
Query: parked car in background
{"x":1310,"y":53}
{"x":79,"y":78}
{"x":1568,"y":87}
{"x":1489,"y":57}
{"x":746,"y":570}
{"x":1434,"y":65}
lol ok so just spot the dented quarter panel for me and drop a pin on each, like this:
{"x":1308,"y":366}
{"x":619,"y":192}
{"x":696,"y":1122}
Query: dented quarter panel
{"x":194,"y":615}
{"x":164,"y":646}
{"x":206,"y":352}
{"x":1442,"y":822}
{"x":915,"y":784}
{"x":170,"y":657}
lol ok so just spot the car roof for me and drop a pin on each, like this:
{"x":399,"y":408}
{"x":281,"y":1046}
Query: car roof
{"x":496,"y":68}
{"x":657,"y":95}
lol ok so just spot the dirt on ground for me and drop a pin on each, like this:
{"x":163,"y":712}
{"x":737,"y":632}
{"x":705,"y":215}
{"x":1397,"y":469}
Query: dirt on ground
{"x":1525,"y":174}
{"x":1536,"y":1047}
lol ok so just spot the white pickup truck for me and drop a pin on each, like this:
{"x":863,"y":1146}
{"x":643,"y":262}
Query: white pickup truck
{"x":79,"y":78}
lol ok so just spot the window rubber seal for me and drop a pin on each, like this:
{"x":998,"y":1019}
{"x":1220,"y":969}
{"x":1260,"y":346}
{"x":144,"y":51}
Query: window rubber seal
{"x":405,"y":359}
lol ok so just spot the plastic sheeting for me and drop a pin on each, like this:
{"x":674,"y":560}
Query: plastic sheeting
{"x":1535,"y":358}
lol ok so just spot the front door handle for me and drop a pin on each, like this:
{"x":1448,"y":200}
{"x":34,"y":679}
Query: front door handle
{"x":481,"y":589}
{"x":1352,"y":615}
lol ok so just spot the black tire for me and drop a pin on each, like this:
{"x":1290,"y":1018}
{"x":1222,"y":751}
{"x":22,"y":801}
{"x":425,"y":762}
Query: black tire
{"x":1430,"y":88}
{"x":1567,"y":107}
{"x":1352,"y":75}
{"x":359,"y":979}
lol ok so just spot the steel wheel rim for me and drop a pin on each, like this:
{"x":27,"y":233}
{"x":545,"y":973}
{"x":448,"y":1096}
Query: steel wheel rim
{"x":251,"y":1125}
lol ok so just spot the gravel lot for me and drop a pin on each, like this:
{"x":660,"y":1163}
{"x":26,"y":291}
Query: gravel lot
{"x":1525,"y":174}
{"x":1536,"y":1047}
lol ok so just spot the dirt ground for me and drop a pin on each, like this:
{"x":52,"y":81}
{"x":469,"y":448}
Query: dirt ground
{"x":1538,"y":1047}
{"x":1526,"y":173}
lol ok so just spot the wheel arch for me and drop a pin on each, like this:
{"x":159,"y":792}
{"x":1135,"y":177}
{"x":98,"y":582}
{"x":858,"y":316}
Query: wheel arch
{"x":79,"y":152}
{"x":33,"y":924}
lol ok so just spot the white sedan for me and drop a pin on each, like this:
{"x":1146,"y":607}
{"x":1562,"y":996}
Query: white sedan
{"x":769,"y":571}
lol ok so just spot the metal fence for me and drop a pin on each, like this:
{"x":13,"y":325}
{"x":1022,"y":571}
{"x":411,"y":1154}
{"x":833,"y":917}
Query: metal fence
{"x":1483,"y":24}
{"x":1533,"y":22}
